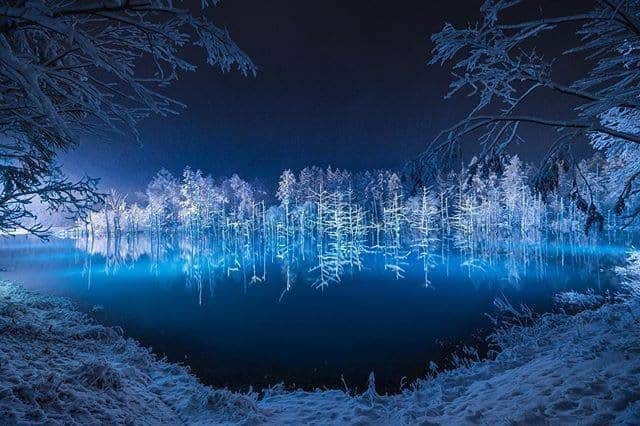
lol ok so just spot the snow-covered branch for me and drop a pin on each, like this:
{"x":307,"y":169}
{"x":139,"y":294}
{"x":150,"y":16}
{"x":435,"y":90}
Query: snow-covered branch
{"x":71,"y":69}
{"x":500,"y":65}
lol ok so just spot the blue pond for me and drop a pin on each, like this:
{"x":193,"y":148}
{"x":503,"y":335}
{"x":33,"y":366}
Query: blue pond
{"x":235,"y":331}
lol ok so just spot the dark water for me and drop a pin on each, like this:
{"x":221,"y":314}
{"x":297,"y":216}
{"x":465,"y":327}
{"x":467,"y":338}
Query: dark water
{"x":235,"y":333}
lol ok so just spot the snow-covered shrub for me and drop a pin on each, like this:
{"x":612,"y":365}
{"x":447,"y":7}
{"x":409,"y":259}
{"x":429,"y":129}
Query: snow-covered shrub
{"x":467,"y":356}
{"x":507,"y":320}
{"x":509,"y":315}
{"x":578,"y":301}
{"x":629,"y":273}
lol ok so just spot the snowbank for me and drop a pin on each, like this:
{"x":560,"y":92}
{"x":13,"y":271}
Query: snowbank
{"x":58,"y":366}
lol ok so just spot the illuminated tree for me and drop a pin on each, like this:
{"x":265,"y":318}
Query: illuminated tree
{"x":395,"y":222}
{"x":163,"y":197}
{"x":114,"y":210}
{"x":423,"y":218}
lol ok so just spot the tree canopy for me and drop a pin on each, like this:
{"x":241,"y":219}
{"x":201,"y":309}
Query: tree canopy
{"x":499,"y":62}
{"x":71,"y":69}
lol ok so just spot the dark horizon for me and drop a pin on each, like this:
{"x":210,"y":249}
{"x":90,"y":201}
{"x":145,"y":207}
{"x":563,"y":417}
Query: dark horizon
{"x":342,"y":85}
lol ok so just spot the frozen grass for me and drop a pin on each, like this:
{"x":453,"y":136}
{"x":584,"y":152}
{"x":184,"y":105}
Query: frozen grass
{"x":579,"y":301}
{"x":58,"y":366}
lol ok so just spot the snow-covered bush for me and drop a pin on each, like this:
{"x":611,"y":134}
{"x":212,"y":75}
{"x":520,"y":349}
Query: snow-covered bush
{"x":575,"y":300}
{"x":629,"y":273}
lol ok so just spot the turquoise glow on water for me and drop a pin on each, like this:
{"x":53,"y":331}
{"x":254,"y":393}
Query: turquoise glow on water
{"x":233,"y":322}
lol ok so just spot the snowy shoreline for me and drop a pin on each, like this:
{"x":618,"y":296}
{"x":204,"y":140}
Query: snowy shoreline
{"x":59,"y":366}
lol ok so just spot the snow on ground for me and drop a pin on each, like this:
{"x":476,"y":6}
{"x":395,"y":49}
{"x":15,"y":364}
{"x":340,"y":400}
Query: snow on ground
{"x":59,"y":366}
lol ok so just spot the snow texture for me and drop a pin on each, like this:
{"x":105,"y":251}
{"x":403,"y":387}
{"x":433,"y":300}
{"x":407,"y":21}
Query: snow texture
{"x":575,"y":300}
{"x":59,"y":366}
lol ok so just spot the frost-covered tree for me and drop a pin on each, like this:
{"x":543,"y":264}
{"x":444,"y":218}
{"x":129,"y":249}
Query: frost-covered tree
{"x":514,"y":189}
{"x":74,"y":69}
{"x":194,"y":205}
{"x":423,"y":217}
{"x":464,"y":215}
{"x":394,"y":226}
{"x":163,"y":198}
{"x":238,"y":195}
{"x":374,"y":200}
{"x":137,"y":219}
{"x":313,"y":234}
{"x":286,"y":187}
{"x":114,"y":210}
{"x":622,"y":167}
{"x":498,"y":61}
{"x":286,"y":194}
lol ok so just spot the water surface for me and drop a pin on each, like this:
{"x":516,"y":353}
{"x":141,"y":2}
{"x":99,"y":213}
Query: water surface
{"x":237,"y":327}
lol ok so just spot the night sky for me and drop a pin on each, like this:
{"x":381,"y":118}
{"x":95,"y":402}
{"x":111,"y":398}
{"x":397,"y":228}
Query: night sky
{"x":340,"y":83}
